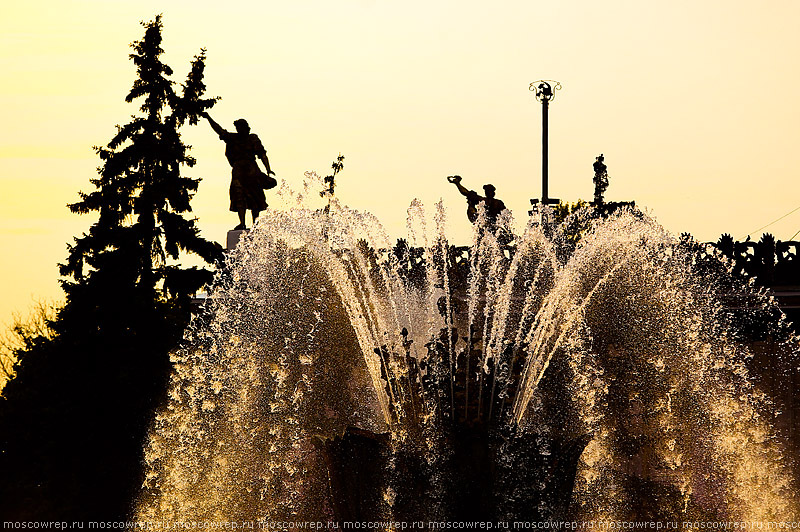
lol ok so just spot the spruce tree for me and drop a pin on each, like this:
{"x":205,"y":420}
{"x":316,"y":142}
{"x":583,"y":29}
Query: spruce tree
{"x":140,"y":195}
{"x":74,"y":420}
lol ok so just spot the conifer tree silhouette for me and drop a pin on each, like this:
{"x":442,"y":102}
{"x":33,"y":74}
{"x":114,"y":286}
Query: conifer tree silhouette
{"x":74,"y":419}
{"x":140,"y":193}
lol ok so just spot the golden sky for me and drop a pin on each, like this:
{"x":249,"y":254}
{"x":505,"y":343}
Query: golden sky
{"x":694,"y":104}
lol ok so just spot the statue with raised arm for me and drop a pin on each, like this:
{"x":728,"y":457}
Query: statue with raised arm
{"x":492,"y":205}
{"x":247,"y":180}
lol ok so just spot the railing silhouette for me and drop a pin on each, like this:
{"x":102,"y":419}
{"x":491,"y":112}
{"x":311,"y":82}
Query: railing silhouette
{"x":772,"y":263}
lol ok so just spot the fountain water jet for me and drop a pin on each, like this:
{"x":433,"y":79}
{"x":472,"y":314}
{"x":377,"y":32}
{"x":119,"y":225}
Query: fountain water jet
{"x":335,"y":375}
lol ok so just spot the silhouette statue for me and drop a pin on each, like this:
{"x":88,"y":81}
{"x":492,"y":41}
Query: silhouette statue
{"x":492,"y":205}
{"x":600,"y":179}
{"x":247,"y":180}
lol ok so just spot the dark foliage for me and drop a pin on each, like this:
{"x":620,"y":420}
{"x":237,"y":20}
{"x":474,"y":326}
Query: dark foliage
{"x":574,"y":219}
{"x":330,"y":180}
{"x":74,"y":420}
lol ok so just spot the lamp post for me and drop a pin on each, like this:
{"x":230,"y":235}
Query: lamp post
{"x":545,"y":93}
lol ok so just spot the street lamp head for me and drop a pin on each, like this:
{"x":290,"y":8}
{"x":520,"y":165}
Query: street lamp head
{"x":545,"y":89}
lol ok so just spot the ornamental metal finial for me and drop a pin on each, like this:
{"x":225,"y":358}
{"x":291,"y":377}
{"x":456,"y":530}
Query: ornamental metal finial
{"x":545,"y":89}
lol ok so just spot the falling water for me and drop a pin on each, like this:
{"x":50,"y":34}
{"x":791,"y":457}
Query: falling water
{"x":617,"y":358}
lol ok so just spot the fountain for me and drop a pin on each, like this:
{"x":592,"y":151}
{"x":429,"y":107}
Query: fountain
{"x":338,"y":376}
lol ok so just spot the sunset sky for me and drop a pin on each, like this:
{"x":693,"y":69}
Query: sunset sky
{"x":694,"y":104}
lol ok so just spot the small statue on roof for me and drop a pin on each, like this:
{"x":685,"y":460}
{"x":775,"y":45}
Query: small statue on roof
{"x":600,"y":179}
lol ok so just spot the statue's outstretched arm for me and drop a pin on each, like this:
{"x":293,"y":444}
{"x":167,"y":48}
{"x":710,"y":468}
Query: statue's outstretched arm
{"x":456,"y":180}
{"x":216,"y":127}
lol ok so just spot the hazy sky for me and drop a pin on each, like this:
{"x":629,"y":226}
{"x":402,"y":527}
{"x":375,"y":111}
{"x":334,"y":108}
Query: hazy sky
{"x":694,"y":104}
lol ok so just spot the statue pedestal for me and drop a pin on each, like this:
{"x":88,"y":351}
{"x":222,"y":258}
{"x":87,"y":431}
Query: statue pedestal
{"x":233,"y":238}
